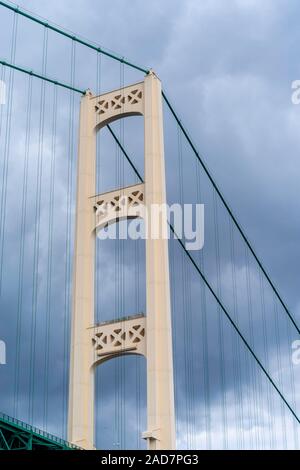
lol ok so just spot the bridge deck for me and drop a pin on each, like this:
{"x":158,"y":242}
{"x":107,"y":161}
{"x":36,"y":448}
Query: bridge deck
{"x":17,"y":435}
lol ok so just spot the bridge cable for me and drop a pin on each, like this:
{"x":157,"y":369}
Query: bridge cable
{"x":220,"y":323}
{"x":235,"y":327}
{"x":279,"y":362}
{"x":41,"y":76}
{"x":6,"y":157}
{"x":37,"y":233}
{"x":185,"y":307}
{"x":68,"y":233}
{"x":252,"y":371}
{"x":98,"y":284}
{"x":121,"y":59}
{"x":71,"y":36}
{"x":22,"y":247}
{"x":223,"y":308}
{"x":241,"y":231}
{"x":266,"y":356}
{"x":7,"y":142}
{"x":219,"y":193}
{"x":49,"y":301}
{"x":237,"y":365}
{"x":204,"y":328}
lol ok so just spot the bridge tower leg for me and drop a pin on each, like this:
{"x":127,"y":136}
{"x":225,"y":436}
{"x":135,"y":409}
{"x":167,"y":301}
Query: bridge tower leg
{"x":81,"y":383}
{"x":150,"y":335}
{"x":160,"y":394}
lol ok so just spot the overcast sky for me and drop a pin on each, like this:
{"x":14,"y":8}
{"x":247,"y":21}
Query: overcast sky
{"x":227,"y":67}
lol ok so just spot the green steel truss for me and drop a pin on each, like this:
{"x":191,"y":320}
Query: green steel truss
{"x":17,"y":435}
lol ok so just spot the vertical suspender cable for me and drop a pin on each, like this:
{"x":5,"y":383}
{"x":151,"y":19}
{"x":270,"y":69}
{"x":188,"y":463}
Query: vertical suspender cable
{"x":3,"y":91}
{"x":36,"y":243}
{"x":220,"y":326}
{"x":237,"y":364}
{"x":49,"y":293}
{"x":293,"y":389}
{"x":98,"y":279}
{"x":186,"y":307}
{"x":117,"y":314}
{"x":279,"y":372}
{"x":255,"y":436}
{"x":68,"y":263}
{"x":22,"y":248}
{"x":235,"y":221}
{"x":205,"y":367}
{"x":270,"y":398}
{"x":122,"y":280}
{"x":7,"y":142}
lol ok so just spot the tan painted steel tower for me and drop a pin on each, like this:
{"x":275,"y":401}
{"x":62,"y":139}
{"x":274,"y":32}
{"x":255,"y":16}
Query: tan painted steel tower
{"x":149,"y":335}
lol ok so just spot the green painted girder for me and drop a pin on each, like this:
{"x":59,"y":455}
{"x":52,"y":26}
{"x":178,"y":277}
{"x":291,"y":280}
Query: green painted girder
{"x":17,"y":435}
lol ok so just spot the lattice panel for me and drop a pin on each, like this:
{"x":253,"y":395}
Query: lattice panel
{"x":112,"y":105}
{"x":125,"y":336}
{"x":120,"y":204}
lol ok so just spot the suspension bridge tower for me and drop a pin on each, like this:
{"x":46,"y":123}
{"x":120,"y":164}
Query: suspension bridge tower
{"x":151,"y":334}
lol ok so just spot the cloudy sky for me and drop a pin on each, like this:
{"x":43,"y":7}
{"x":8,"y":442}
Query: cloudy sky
{"x":227,"y":67}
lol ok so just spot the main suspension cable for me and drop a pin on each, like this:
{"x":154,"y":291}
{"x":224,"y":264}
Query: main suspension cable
{"x":220,"y":303}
